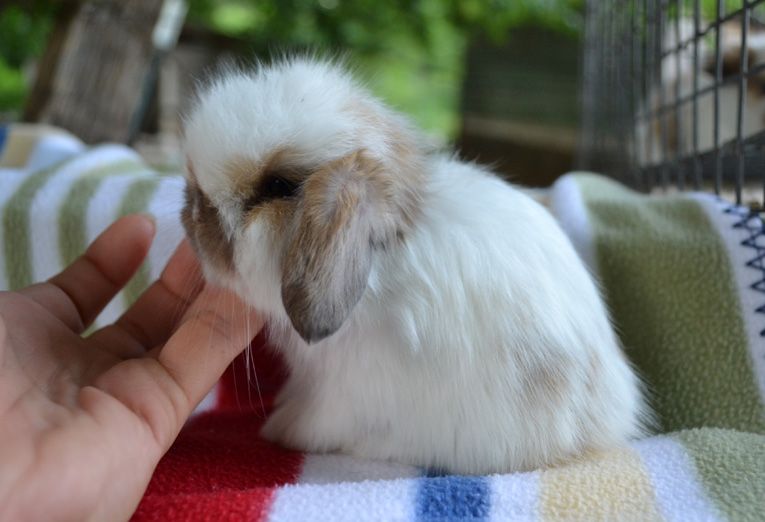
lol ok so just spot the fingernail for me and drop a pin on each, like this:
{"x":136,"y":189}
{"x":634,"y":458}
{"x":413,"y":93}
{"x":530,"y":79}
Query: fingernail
{"x":150,"y":217}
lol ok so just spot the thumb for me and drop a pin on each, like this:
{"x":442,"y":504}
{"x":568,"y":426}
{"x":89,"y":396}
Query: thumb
{"x":215,"y":329}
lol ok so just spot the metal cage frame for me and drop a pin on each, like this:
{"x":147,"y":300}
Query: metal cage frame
{"x":645,"y":98}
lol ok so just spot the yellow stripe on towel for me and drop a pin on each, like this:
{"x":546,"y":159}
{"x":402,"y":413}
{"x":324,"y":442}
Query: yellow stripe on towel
{"x":604,"y":486}
{"x":21,"y":140}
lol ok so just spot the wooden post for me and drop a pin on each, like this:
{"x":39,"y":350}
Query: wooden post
{"x":98,"y":80}
{"x":41,"y":90}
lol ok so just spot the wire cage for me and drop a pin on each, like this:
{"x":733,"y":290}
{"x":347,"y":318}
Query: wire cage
{"x":673,"y":95}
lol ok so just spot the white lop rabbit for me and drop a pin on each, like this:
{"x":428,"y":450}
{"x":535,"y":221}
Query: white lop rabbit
{"x":429,"y":312}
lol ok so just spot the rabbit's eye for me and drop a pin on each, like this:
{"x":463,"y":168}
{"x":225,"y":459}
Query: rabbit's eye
{"x":272,"y":187}
{"x":276,"y":187}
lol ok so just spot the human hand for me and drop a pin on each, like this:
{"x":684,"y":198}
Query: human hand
{"x":84,"y":421}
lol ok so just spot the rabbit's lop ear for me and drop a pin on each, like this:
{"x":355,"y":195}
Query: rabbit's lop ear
{"x":347,"y":209}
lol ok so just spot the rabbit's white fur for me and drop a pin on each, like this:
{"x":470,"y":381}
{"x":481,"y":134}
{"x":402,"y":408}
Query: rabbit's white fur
{"x":480,"y":343}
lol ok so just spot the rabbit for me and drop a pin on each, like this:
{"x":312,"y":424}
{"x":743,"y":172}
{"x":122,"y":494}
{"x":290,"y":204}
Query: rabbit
{"x":669,"y":134}
{"x":429,"y":313}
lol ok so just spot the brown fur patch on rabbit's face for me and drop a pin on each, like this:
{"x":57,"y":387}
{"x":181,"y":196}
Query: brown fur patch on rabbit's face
{"x":253,"y":196}
{"x":268,"y":190}
{"x":205,"y":229}
{"x":302,"y":186}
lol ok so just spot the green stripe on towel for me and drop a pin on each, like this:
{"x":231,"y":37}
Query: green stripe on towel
{"x":16,"y":218}
{"x":136,"y":200}
{"x":731,"y":465}
{"x":72,"y":223}
{"x":16,"y":230}
{"x":670,"y":288}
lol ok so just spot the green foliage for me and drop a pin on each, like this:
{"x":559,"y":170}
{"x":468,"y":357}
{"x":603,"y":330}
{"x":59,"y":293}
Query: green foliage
{"x":12,"y":87}
{"x":709,"y":7}
{"x":365,"y":24}
{"x":410,"y":51}
{"x":23,"y":32}
{"x":22,"y":35}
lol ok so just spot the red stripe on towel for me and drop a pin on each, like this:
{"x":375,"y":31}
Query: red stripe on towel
{"x":229,"y":506}
{"x":218,"y":468}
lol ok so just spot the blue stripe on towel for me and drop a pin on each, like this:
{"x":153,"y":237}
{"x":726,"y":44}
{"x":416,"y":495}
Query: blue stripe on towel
{"x":3,"y":137}
{"x":451,"y":498}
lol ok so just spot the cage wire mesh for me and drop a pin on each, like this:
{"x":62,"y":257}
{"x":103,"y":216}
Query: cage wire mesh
{"x":673,"y":95}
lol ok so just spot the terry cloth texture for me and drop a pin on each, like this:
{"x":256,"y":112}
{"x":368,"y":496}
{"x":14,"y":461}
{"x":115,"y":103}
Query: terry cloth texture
{"x":683,"y":276}
{"x":65,"y":195}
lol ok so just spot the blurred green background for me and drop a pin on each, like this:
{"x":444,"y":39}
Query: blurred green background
{"x":412,"y":53}
{"x":499,"y":79}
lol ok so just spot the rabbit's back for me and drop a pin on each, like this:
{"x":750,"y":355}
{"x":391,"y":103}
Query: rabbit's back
{"x":480,"y":345}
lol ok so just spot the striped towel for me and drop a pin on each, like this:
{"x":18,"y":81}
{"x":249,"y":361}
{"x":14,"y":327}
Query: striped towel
{"x":56,"y":196}
{"x":684,"y":279}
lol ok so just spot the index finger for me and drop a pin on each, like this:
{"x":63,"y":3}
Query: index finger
{"x":151,"y":319}
{"x":79,"y":293}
